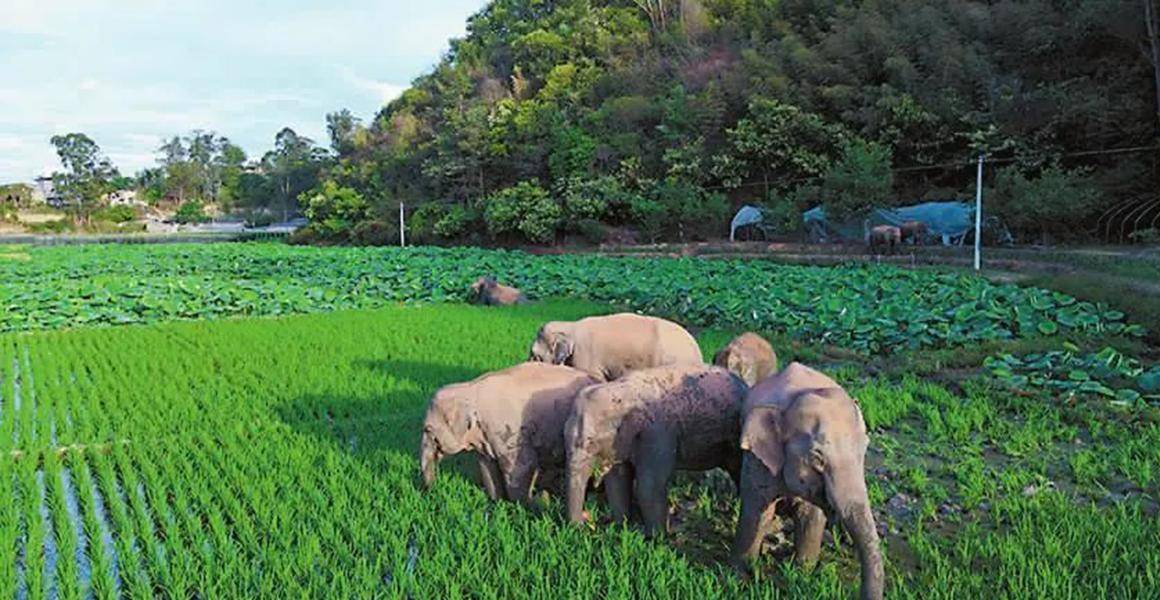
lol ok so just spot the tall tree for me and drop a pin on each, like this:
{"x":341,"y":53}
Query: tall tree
{"x":87,"y":174}
{"x":294,"y":165}
{"x":343,"y":127}
{"x":1152,"y":26}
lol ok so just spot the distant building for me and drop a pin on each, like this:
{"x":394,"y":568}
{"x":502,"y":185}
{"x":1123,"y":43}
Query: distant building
{"x":43,"y":192}
{"x":123,"y":198}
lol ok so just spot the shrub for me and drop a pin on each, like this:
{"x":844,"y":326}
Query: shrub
{"x":333,"y":210}
{"x":116,"y":214}
{"x":421,"y":222}
{"x":375,"y":232}
{"x":649,"y":216}
{"x":191,"y":212}
{"x":456,"y":222}
{"x":1056,"y":203}
{"x":57,"y":226}
{"x":688,"y":211}
{"x":526,"y":209}
{"x":860,"y":180}
{"x":783,"y":213}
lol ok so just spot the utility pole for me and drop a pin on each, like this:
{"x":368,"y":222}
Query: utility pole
{"x":979,"y":214}
{"x":402,"y":228}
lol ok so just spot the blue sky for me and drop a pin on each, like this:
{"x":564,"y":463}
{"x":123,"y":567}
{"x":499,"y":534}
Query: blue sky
{"x":132,"y":72}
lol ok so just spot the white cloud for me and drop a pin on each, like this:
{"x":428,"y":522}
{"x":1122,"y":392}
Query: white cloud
{"x":130,"y":73}
{"x":384,"y":91}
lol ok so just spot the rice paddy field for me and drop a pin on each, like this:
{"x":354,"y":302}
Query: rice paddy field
{"x":242,"y":421}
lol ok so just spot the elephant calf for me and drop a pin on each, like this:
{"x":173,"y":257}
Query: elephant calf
{"x":609,"y":346}
{"x":803,"y":439}
{"x":749,"y":357}
{"x":884,"y":235}
{"x":634,"y":432}
{"x":512,"y":419}
{"x":489,"y":292}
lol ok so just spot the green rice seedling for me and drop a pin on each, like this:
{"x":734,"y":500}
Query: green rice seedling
{"x":9,"y":529}
{"x":276,"y":457}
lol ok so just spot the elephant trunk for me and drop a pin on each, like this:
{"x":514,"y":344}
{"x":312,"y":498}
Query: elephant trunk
{"x":579,"y":470}
{"x":853,"y":507}
{"x":428,"y":459}
{"x":747,"y":543}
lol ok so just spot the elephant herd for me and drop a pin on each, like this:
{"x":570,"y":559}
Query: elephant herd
{"x":891,"y":238}
{"x":626,"y":400}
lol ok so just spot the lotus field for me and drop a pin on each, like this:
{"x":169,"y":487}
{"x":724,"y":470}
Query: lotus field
{"x":241,"y":421}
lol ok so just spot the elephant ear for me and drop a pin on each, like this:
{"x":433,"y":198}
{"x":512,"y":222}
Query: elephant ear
{"x":761,"y":435}
{"x":561,"y":348}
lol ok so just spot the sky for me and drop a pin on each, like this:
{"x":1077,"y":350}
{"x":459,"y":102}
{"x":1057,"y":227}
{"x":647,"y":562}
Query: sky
{"x":130,"y":73}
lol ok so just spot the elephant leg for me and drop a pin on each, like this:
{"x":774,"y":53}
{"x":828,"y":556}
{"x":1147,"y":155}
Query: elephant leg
{"x":733,"y":468}
{"x":491,"y":477}
{"x":618,"y":491}
{"x":655,"y":460}
{"x":811,"y":524}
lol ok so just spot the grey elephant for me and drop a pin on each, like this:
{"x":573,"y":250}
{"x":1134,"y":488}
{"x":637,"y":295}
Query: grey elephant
{"x":489,"y":292}
{"x":803,"y":440}
{"x":887,"y":236}
{"x":609,"y":346}
{"x":512,"y":419}
{"x":915,"y":231}
{"x":749,"y":357}
{"x":633,"y":433}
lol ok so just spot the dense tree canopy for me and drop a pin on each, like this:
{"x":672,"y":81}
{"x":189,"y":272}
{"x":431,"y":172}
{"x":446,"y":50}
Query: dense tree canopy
{"x":760,"y":100}
{"x":777,"y":101}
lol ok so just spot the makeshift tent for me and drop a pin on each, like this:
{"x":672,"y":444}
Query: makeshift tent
{"x":748,"y":215}
{"x":950,"y":220}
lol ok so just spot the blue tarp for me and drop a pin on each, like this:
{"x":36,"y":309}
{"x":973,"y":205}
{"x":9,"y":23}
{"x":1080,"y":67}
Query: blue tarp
{"x":950,"y":220}
{"x":748,"y":215}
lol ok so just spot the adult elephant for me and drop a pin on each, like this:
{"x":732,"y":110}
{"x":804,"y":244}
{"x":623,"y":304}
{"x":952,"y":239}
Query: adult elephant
{"x":915,"y":231}
{"x":608,"y":347}
{"x":633,"y":433}
{"x":803,"y":439}
{"x":887,"y":236}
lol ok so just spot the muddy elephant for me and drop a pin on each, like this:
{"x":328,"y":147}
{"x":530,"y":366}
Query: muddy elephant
{"x":749,"y":357}
{"x":887,"y":236}
{"x":914,"y":231}
{"x":609,"y":346}
{"x":803,"y":445}
{"x":633,"y":433}
{"x":489,"y":292}
{"x":513,"y":420}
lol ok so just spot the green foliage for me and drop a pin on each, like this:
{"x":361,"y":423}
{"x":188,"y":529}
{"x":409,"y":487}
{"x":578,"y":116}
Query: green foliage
{"x":116,"y":214}
{"x":783,"y":213}
{"x":54,"y":226}
{"x":860,"y":180}
{"x":761,"y":97}
{"x":525,"y":209}
{"x":456,"y":222}
{"x":866,"y":309}
{"x":682,"y":211}
{"x":1057,"y":202}
{"x":191,"y":212}
{"x":334,"y":210}
{"x":1108,"y":373}
{"x":87,"y":176}
{"x":783,"y":142}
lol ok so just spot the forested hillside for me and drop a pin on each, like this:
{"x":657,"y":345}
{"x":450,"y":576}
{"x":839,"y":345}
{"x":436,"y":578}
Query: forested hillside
{"x":555,"y":118}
